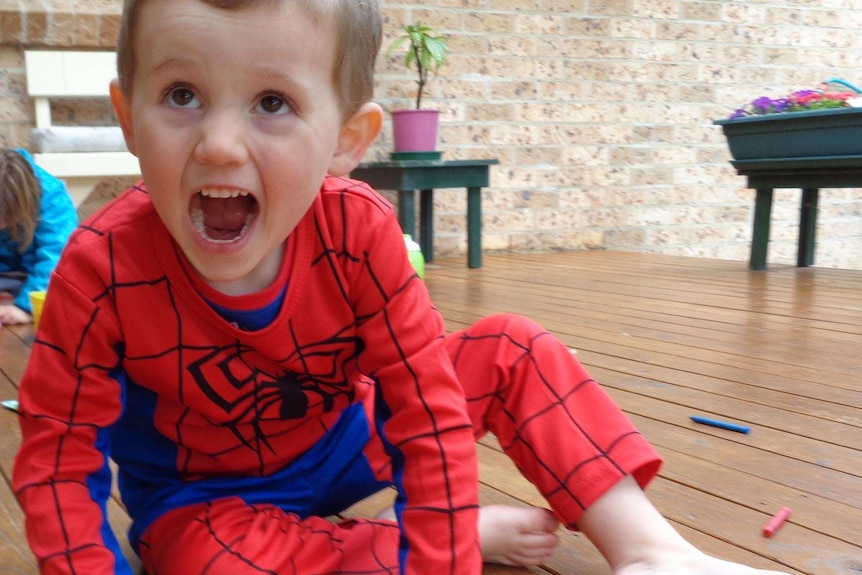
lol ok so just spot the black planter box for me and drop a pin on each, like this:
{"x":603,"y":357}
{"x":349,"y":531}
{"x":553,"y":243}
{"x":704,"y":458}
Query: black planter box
{"x":814,"y":134}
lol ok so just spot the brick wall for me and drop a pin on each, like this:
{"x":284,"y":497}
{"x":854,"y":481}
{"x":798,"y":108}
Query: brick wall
{"x":599,"y":111}
{"x":54,"y":24}
{"x":59,"y":24}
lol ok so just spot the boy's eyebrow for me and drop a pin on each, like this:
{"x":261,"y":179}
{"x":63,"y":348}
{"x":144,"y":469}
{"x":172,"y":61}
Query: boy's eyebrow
{"x":279,"y":75}
{"x":173,"y":61}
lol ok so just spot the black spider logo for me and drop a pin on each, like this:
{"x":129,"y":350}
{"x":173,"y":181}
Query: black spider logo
{"x":247,"y":393}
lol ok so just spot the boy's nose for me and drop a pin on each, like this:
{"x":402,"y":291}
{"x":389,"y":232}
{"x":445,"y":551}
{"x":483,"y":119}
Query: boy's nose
{"x":221,"y":140}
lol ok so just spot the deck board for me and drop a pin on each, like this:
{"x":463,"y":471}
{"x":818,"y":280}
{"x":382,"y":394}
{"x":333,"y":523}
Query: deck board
{"x":672,"y":337}
{"x":778,"y":350}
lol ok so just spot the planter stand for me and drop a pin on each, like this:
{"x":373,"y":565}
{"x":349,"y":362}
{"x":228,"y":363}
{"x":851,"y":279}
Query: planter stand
{"x":807,"y":174}
{"x":407,"y":176}
{"x":803,"y":150}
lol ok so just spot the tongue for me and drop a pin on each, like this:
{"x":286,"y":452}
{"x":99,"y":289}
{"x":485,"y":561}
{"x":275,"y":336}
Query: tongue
{"x":225,"y":218}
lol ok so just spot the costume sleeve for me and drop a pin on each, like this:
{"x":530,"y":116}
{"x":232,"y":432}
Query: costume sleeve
{"x":421,"y":412}
{"x":68,"y":402}
{"x":57,"y":220}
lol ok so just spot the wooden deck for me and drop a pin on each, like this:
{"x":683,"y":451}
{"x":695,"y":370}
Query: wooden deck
{"x":778,"y":350}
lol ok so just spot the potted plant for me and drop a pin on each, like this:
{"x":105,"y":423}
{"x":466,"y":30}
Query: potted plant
{"x":807,"y":123}
{"x":415,"y":131}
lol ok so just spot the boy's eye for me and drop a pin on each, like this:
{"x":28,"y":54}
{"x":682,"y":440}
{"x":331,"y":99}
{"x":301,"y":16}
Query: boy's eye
{"x":181,"y":97}
{"x":272,"y":104}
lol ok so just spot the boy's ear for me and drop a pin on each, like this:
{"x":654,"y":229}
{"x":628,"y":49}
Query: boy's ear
{"x":356,"y":135}
{"x":123,"y":111}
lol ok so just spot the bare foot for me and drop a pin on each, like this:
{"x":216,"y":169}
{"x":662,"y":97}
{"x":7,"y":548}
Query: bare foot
{"x":695,"y":563}
{"x":519,"y":536}
{"x":637,"y":540}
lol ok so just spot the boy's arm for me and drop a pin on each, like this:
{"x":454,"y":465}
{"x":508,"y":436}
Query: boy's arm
{"x":421,"y":416}
{"x":68,"y":402}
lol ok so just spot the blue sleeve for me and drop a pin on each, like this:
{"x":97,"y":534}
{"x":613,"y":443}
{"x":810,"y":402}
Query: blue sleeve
{"x":57,"y":220}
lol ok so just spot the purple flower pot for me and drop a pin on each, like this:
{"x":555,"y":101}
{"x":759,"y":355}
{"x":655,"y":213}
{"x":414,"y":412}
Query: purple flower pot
{"x":415,"y":130}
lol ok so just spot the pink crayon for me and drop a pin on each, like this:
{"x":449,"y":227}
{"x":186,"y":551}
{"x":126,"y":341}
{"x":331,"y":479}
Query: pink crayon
{"x":775,"y":523}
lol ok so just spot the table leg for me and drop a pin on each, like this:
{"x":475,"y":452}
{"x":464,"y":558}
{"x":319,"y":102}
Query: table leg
{"x":474,"y":227}
{"x":760,"y":235}
{"x":407,"y":212}
{"x":807,"y":227}
{"x":426,"y":224}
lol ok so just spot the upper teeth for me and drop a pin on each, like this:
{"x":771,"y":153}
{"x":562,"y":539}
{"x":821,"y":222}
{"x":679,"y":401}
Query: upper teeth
{"x":215,"y":193}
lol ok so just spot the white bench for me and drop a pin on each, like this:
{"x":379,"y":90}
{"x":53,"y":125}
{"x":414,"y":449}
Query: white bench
{"x":78,"y":155}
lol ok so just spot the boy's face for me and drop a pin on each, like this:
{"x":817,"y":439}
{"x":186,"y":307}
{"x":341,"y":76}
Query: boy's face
{"x":235,"y":120}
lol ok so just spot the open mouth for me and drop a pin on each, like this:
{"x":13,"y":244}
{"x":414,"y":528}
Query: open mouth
{"x":221,"y":215}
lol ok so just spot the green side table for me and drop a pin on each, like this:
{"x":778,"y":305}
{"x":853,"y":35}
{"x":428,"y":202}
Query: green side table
{"x":808,"y":174}
{"x":407,"y":176}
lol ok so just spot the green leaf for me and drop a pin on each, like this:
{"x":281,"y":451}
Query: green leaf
{"x":438,"y":49}
{"x":425,"y":51}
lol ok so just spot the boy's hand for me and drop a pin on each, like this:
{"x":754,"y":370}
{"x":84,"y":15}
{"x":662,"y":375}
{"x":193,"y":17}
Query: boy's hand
{"x":14,"y":315}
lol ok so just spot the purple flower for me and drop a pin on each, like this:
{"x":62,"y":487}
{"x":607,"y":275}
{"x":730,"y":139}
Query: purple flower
{"x":780,"y":105}
{"x":762,"y":105}
{"x":800,"y":100}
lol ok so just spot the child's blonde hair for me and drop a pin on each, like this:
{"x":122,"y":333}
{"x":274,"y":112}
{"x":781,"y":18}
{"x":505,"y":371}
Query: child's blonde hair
{"x":20,"y":198}
{"x":359,"y":34}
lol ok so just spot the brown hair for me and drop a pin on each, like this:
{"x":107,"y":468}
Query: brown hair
{"x":20,"y":198}
{"x":359,"y":35}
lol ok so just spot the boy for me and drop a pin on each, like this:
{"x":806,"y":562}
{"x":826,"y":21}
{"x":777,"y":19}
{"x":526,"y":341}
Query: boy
{"x":243,"y":335}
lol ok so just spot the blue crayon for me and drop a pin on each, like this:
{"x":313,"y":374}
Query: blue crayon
{"x":721,"y":424}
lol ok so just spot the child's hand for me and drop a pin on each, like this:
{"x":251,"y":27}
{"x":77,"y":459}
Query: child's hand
{"x":14,"y":315}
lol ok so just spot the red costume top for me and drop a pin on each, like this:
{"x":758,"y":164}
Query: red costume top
{"x":131,"y":361}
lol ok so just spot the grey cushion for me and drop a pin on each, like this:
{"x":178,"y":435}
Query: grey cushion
{"x":77,"y":139}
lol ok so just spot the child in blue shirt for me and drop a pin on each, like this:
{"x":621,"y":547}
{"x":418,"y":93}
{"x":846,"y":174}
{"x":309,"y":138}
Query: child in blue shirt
{"x":36,"y":218}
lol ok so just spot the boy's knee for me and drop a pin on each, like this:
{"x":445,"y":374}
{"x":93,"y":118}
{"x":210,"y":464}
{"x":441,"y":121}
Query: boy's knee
{"x":515,"y":326}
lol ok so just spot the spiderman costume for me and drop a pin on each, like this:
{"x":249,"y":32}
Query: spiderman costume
{"x":233,"y":444}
